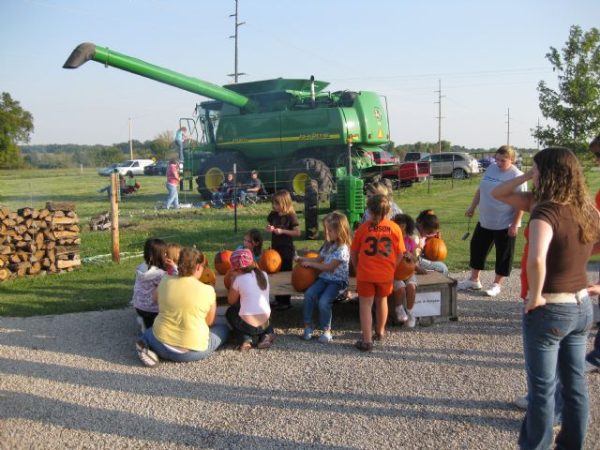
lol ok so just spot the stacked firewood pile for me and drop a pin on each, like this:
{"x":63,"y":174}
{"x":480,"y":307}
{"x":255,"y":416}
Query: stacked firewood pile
{"x":36,"y":242}
{"x":100,"y":222}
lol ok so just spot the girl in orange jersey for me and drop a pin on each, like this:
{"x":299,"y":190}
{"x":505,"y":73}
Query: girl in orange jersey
{"x":376,"y":250}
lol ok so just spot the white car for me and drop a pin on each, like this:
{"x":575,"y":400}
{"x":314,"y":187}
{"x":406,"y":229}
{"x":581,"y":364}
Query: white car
{"x":133,"y":166}
{"x":457,"y":165}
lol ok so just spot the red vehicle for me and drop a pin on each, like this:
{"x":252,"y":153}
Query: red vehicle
{"x":403,"y":173}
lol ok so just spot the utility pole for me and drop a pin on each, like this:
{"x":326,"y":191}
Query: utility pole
{"x":508,"y":127}
{"x":235,"y":73}
{"x":439,"y":117}
{"x":130,"y":141}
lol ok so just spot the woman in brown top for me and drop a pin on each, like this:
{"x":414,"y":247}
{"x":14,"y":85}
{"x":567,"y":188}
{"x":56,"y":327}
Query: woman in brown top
{"x":558,"y":314}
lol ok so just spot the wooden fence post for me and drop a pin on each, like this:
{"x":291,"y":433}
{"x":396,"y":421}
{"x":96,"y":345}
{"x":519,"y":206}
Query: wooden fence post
{"x":114,"y":212}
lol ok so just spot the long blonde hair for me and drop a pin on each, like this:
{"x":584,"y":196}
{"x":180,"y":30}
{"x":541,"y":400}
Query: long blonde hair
{"x":561,"y":181}
{"x":337,"y":222}
{"x":283,"y":199}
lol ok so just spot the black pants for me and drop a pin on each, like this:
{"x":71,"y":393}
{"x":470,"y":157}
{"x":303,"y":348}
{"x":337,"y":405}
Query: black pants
{"x":481,"y":244}
{"x":243,"y":331}
{"x":147,"y":317}
{"x":287,"y":263}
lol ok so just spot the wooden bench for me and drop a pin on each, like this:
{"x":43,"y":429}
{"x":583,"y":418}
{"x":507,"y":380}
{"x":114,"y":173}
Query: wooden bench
{"x":436,"y":293}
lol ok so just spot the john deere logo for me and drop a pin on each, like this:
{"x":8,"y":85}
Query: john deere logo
{"x":377,"y":114}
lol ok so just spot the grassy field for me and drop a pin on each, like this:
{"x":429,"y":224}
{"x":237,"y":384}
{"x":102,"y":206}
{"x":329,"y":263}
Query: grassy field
{"x":102,"y":285}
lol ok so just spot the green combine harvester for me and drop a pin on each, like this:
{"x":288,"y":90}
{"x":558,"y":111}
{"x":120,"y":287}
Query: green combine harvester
{"x":291,"y":130}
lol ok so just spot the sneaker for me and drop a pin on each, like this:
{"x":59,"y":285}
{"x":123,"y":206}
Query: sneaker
{"x":521,"y":402}
{"x":245,"y":346}
{"x":307,"y":335}
{"x":401,"y":316}
{"x":411,"y":321}
{"x":468,"y":284}
{"x":147,"y":356}
{"x":266,"y":341}
{"x":325,"y":338}
{"x":140,"y":322}
{"x":494,"y":290}
{"x":590,"y":368}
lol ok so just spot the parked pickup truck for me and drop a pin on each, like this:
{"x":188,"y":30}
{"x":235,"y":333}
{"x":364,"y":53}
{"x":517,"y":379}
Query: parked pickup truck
{"x":401,"y":173}
{"x":407,"y":173}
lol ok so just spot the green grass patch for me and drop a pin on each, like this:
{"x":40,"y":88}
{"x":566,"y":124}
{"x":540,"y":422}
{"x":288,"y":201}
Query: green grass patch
{"x":105,"y":285}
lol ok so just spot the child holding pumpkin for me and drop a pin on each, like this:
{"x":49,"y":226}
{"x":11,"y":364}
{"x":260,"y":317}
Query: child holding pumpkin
{"x":248,"y":296}
{"x":376,"y":250}
{"x":405,"y":279}
{"x":332,"y":262}
{"x":428,"y":226}
{"x":147,"y":278}
{"x":283,"y":225}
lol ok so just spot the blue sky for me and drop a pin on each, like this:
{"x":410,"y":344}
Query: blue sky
{"x":488,"y":55}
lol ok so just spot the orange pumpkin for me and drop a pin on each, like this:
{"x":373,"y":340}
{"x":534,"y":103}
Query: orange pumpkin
{"x":405,"y":269}
{"x":228,"y":279}
{"x":206,"y":206}
{"x":270,"y":261}
{"x":208,"y":276}
{"x":303,"y":277}
{"x":435,"y":249}
{"x":222,"y":262}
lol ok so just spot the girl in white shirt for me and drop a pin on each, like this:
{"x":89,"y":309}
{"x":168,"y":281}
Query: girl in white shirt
{"x":248,"y":296}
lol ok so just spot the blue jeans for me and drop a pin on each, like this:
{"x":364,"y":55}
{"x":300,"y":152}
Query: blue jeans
{"x":173,"y":196}
{"x":554,"y":338}
{"x":437,"y":266}
{"x":217,"y":335}
{"x":321,"y":293}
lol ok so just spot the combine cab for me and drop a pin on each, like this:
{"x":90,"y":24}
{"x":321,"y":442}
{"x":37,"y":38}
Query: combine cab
{"x":290,"y":130}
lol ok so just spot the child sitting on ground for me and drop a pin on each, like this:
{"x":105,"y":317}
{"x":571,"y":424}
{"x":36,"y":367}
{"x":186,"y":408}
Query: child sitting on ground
{"x":248,"y":296}
{"x":406,"y":287}
{"x":131,"y":184}
{"x":333,"y":261}
{"x":147,"y":278}
{"x":428,"y":226}
{"x":173,"y":250}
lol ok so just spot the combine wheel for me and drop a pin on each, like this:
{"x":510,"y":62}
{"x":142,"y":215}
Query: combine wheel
{"x":301,"y":170}
{"x":213,"y":171}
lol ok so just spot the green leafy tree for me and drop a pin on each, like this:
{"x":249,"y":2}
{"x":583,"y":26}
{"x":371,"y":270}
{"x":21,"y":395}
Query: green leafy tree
{"x":574,"y":107}
{"x":16,"y":125}
{"x":162,"y":145}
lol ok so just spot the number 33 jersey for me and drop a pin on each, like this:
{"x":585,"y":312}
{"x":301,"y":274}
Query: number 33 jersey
{"x":378,"y":247}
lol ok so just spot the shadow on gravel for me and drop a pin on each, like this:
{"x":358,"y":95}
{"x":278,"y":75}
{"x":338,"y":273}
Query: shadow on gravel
{"x":314,"y":400}
{"x":89,"y":419}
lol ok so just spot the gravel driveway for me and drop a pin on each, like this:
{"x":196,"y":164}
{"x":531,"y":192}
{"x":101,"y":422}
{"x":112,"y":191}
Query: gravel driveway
{"x":74,"y":381}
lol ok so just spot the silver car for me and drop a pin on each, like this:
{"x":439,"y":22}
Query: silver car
{"x":457,"y":165}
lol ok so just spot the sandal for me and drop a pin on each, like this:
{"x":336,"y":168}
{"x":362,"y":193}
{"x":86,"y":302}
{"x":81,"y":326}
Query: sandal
{"x":364,"y":346}
{"x":378,"y":337}
{"x":266,"y":341}
{"x":245,"y":346}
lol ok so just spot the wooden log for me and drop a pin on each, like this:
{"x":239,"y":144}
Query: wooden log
{"x":25,"y":212}
{"x":12,"y":215}
{"x":13,"y":259}
{"x":50,"y":245}
{"x":4,"y":274}
{"x":28,"y":222}
{"x":43,"y":213}
{"x":40,"y":224}
{"x":34,"y":269}
{"x":64,"y":264}
{"x":57,"y":214}
{"x":35,"y":214}
{"x":50,"y":255}
{"x":64,"y":220}
{"x":6,"y":249}
{"x":74,"y":228}
{"x":39,"y":254}
{"x":72,"y":214}
{"x":66,"y":249}
{"x":46,"y":263}
{"x":49,"y":235}
{"x":4,"y":212}
{"x":39,"y":240}
{"x":60,"y":206}
{"x":20,"y":219}
{"x":9,"y":222}
{"x":65,"y":234}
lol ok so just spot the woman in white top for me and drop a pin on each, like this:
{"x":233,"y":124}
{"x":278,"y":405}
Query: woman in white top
{"x":248,"y":296}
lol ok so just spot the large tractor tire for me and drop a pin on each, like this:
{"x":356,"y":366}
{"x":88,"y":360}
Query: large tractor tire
{"x":301,"y":170}
{"x":213,"y":171}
